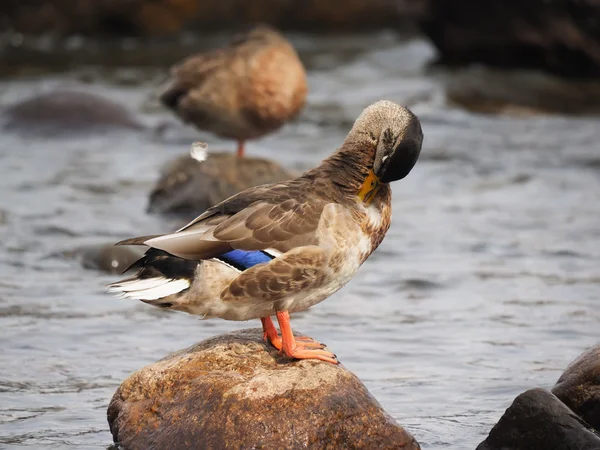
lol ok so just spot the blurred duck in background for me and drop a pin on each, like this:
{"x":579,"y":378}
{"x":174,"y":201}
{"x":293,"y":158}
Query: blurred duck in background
{"x":243,"y":91}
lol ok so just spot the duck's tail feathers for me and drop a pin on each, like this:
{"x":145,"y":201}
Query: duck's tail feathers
{"x":140,"y":240}
{"x":160,"y":276}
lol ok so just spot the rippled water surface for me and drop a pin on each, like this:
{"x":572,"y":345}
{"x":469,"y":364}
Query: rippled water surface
{"x":486,"y":284}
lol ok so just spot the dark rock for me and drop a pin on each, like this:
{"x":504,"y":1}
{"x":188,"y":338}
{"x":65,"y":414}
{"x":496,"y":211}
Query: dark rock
{"x":235,"y":391}
{"x":106,"y":257}
{"x":537,"y":420}
{"x":188,"y":187}
{"x":562,"y":37}
{"x":159,"y":17}
{"x":579,"y":387}
{"x":519,"y":92}
{"x":64,"y":111}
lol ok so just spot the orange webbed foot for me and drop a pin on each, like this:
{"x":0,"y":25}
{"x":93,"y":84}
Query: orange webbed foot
{"x":301,"y":352}
{"x":308,"y":342}
{"x":271,"y":336}
{"x":302,"y":347}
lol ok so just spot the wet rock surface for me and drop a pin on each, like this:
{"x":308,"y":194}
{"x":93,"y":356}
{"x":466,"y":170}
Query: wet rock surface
{"x":559,"y":37}
{"x":188,"y":187}
{"x":235,"y":391}
{"x":168,"y":16}
{"x":579,"y":387}
{"x":67,"y":111}
{"x":538,"y":420}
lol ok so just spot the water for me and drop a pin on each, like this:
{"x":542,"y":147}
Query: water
{"x":486,"y":284}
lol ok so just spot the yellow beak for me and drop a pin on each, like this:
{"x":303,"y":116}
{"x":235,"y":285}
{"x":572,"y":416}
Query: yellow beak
{"x":369,"y":188}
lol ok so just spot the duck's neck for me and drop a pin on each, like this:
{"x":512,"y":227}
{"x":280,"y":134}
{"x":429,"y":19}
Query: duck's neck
{"x":349,"y":166}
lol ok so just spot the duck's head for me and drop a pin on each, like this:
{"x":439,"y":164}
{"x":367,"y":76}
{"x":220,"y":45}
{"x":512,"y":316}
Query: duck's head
{"x":396,"y":133}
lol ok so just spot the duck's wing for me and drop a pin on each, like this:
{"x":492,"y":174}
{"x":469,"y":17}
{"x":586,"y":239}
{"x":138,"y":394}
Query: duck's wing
{"x":190,"y":74}
{"x":272,"y":218}
{"x":191,"y":71}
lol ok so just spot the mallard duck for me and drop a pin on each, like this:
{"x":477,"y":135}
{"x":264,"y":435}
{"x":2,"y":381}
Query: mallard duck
{"x":243,"y":91}
{"x":284,"y":247}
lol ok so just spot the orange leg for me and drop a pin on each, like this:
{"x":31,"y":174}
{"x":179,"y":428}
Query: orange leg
{"x":270,"y":332}
{"x":272,"y":336}
{"x":298,"y":350}
{"x":240,"y":149}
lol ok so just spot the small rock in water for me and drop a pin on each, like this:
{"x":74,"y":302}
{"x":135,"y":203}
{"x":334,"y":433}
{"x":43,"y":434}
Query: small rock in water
{"x":579,"y":386}
{"x":537,"y":420}
{"x":64,"y":111}
{"x":235,"y":391}
{"x":188,"y":187}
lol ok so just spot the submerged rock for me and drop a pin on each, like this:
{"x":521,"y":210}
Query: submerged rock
{"x":235,"y":391}
{"x":579,"y":386}
{"x":65,"y":111}
{"x":558,"y":37}
{"x":537,"y":420}
{"x":188,"y":187}
{"x":106,"y":257}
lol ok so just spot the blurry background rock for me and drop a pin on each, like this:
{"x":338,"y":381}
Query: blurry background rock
{"x":561,"y":37}
{"x":188,"y":187}
{"x":520,"y":92}
{"x":109,"y":258}
{"x":159,"y":17}
{"x":67,"y":111}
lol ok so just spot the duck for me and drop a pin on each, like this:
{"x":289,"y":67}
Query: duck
{"x":243,"y":91}
{"x":281,"y":248}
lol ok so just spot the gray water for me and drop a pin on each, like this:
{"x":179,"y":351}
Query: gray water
{"x":486,"y":285}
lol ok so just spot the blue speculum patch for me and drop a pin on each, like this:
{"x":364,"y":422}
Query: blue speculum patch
{"x":243,"y":259}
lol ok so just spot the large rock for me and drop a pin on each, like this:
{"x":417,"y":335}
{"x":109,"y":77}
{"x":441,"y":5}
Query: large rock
{"x":579,"y":386}
{"x":188,"y":187}
{"x":167,"y":16}
{"x":234,"y":391}
{"x":562,"y":37}
{"x":537,"y":420}
{"x":68,"y":111}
